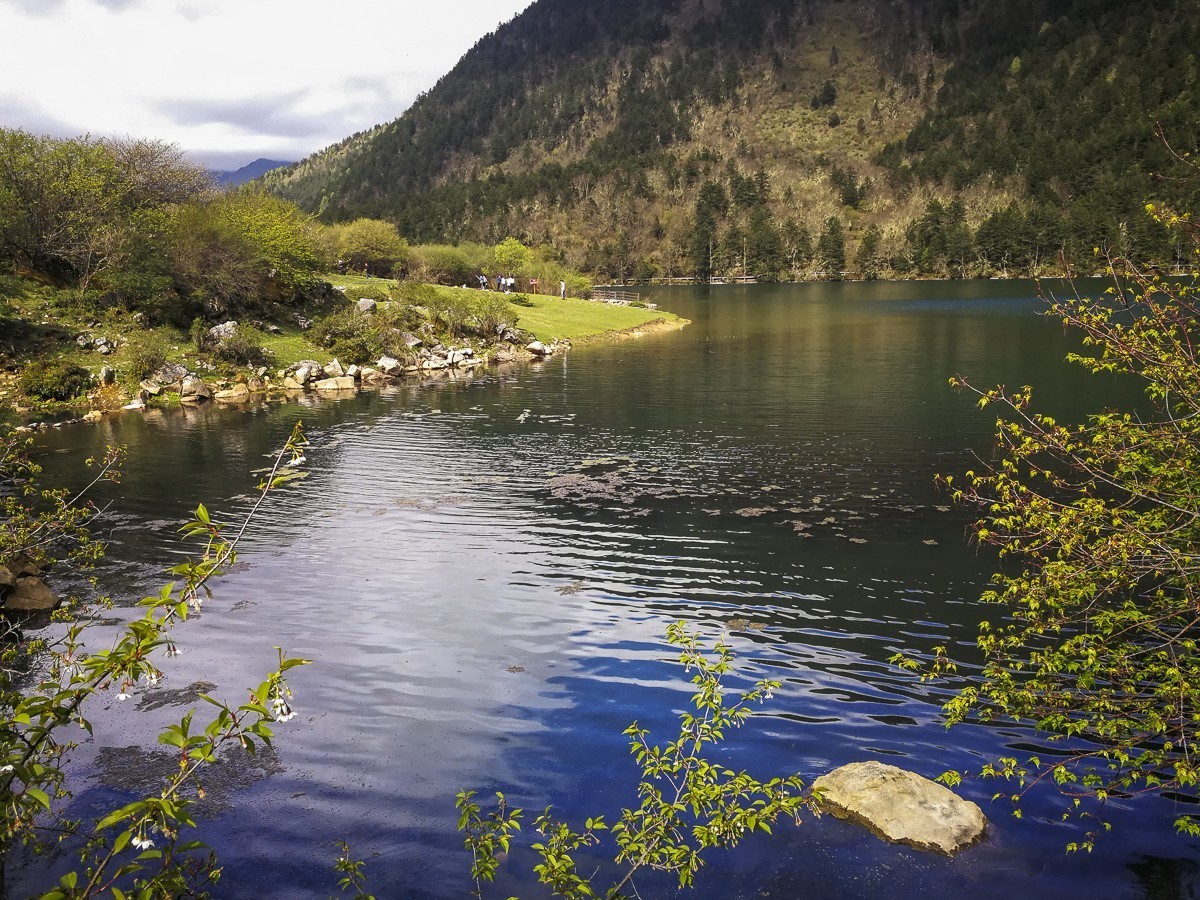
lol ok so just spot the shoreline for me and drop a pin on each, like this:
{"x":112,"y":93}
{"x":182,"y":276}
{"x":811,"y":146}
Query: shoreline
{"x":332,"y":381}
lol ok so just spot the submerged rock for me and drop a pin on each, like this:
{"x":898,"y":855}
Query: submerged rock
{"x":902,"y":807}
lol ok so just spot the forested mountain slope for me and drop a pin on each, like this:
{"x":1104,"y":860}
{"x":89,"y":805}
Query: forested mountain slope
{"x":775,"y":137}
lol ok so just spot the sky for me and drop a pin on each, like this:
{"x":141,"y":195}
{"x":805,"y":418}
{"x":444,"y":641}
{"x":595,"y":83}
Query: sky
{"x":229,"y":81}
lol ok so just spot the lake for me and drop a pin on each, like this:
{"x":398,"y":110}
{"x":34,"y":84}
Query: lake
{"x":482,"y":573}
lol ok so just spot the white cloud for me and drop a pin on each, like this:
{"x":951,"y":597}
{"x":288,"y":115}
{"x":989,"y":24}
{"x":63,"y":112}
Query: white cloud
{"x":228,"y":78}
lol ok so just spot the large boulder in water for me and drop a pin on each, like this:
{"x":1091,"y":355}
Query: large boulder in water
{"x":194,"y":390}
{"x":902,"y":807}
{"x":30,"y":594}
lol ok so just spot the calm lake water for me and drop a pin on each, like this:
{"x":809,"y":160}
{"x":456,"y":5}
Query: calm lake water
{"x":485,"y":603}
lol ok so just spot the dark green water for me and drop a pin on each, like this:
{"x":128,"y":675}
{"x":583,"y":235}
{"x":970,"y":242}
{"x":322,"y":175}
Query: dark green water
{"x":485,"y":603}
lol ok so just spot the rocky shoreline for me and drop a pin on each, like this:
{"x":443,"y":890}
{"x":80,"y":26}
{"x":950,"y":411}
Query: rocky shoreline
{"x":174,"y":383}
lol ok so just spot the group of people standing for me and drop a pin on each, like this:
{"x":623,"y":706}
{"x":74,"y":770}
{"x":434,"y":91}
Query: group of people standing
{"x":507,"y":284}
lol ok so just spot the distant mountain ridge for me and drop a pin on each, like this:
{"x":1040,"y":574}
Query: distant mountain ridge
{"x":647,"y":138}
{"x":249,"y":172}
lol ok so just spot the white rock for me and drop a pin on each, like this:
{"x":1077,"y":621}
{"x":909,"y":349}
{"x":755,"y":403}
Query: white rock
{"x":902,"y":807}
{"x":332,"y":385}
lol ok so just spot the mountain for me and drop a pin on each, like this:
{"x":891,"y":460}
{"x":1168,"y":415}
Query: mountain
{"x":645,"y":138}
{"x":249,"y":172}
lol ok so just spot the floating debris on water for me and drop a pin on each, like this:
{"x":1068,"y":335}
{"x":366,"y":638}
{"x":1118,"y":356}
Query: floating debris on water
{"x":752,"y":512}
{"x":741,"y":624}
{"x":568,"y":590}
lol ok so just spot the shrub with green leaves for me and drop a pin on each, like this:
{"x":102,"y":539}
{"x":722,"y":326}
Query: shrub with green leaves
{"x":243,"y":347}
{"x":54,"y":379}
{"x":492,"y":312}
{"x":349,"y":334}
{"x":145,"y":355}
{"x":686,"y":803}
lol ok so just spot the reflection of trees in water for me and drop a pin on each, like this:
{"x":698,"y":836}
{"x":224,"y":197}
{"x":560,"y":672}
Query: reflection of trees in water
{"x":1166,"y":879}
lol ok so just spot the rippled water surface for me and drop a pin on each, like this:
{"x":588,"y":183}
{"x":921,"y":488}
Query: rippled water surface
{"x":482,"y":573}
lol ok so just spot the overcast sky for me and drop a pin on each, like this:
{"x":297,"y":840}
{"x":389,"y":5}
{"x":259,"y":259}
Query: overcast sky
{"x":229,"y":80}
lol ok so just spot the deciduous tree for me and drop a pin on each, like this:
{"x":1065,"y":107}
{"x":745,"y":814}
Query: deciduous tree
{"x":1097,"y":623}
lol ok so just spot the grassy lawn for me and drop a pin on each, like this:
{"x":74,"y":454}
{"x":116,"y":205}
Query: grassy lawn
{"x":550,"y":317}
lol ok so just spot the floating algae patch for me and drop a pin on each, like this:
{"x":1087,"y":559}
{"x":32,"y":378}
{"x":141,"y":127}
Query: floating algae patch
{"x":143,"y":772}
{"x":184,"y":696}
{"x":753,"y":512}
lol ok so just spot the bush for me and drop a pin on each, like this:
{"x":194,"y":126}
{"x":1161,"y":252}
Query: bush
{"x":493,"y":313}
{"x":350,"y":335}
{"x":443,"y":264}
{"x":415,"y":294}
{"x":399,"y":314}
{"x":54,"y":379}
{"x":243,"y":347}
{"x":449,"y":311}
{"x":145,"y":355}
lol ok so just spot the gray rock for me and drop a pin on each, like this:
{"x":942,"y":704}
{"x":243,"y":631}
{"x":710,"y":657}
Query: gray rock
{"x":902,"y":807}
{"x":106,"y":376}
{"x":366,"y":305}
{"x":153,"y":388}
{"x":334,"y":370}
{"x":223,"y":331}
{"x":84,"y":341}
{"x":411,"y":341}
{"x":7,"y":579}
{"x":135,"y":404}
{"x":30,"y":594}
{"x":354,"y":371}
{"x":170,"y":373}
{"x":537,"y":348}
{"x":194,"y":390}
{"x":389,"y":366}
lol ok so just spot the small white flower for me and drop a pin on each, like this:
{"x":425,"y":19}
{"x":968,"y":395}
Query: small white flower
{"x":152,"y":676}
{"x":281,"y":710}
{"x":172,"y":651}
{"x":142,"y":842}
{"x":122,"y":697}
{"x":297,"y":461}
{"x":4,"y":770}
